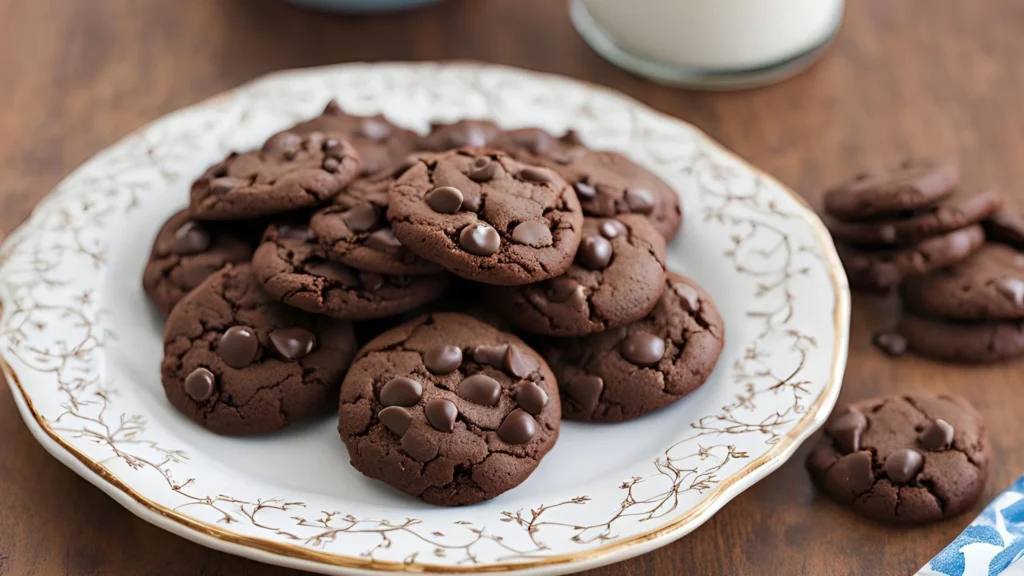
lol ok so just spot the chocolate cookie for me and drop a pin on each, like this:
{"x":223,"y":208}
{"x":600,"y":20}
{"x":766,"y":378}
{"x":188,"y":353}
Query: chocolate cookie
{"x":903,"y":459}
{"x":882,"y":269}
{"x":185,"y":253}
{"x":916,"y":183}
{"x":355,"y":231}
{"x":381,"y":145}
{"x":631,"y":370}
{"x":472,"y":133}
{"x":536,"y":146}
{"x":617,"y":278}
{"x":961,"y":341}
{"x":290,"y":172}
{"x":237,"y":362}
{"x":1006,"y":226}
{"x":952,"y":213}
{"x":294,"y":269}
{"x":987,"y":286}
{"x":487,"y":217}
{"x":448,"y":409}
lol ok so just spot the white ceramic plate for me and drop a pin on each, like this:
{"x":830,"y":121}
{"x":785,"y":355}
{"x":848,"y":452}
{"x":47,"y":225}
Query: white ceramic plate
{"x":81,"y":347}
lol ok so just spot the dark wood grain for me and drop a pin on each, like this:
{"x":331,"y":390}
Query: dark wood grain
{"x":921,"y":76}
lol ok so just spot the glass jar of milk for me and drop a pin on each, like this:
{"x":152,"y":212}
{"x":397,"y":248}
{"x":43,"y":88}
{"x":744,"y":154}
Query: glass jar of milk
{"x":709,"y":43}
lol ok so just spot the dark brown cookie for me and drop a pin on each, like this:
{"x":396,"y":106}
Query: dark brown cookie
{"x":186,"y":252}
{"x":962,"y":341}
{"x":472,"y":133}
{"x":916,"y":183}
{"x":987,"y":286}
{"x":294,"y":269}
{"x":952,"y":213}
{"x":487,"y":217}
{"x":448,"y":409}
{"x":631,"y":370}
{"x":536,"y":146}
{"x":883,"y":269}
{"x":381,"y":145}
{"x":237,"y":362}
{"x":617,"y":278}
{"x":292,"y":171}
{"x":903,"y":459}
{"x":1006,"y":226}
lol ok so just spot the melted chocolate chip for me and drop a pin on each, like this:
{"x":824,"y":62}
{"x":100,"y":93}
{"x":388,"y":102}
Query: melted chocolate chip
{"x":490,"y":355}
{"x":443,"y":359}
{"x":330,"y":164}
{"x":396,"y":419}
{"x":286,"y":143}
{"x":640,"y":200}
{"x":595,"y":252}
{"x":846,"y":430}
{"x":586,"y":391}
{"x":294,"y":232}
{"x":371,"y":281}
{"x":200,"y":384}
{"x":561,"y":289}
{"x":1012,"y":289}
{"x":238,"y":346}
{"x":401,"y":391}
{"x":441,"y":414}
{"x":530,"y":397}
{"x":445,"y":199}
{"x":538,"y":175}
{"x":383,"y":240}
{"x":688,"y":296}
{"x":533,"y":233}
{"x":642,"y":349}
{"x":190,"y":238}
{"x":937,"y":436}
{"x":375,"y":129}
{"x":360,"y":218}
{"x":902,"y":465}
{"x":535,"y":141}
{"x":480,"y":239}
{"x":518,"y":427}
{"x":892,"y":343}
{"x":612,"y":228}
{"x":584,"y":190}
{"x":482,"y":169}
{"x":292,"y":343}
{"x":472,"y":202}
{"x":860,"y":475}
{"x":518,"y":364}
{"x":480,"y":389}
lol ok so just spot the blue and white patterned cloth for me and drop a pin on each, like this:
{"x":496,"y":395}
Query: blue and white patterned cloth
{"x":993,"y":545}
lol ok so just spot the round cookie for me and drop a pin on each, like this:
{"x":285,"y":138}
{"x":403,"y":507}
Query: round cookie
{"x":448,"y":409}
{"x":237,"y":362}
{"x":626,"y":372}
{"x":1006,"y":226}
{"x":354,"y":231}
{"x":617,"y":278}
{"x":916,"y":183}
{"x":903,"y":459}
{"x":185,"y":253}
{"x":987,"y":286}
{"x":294,"y":269}
{"x":963,"y":342}
{"x":291,"y":171}
{"x":486,"y":217}
{"x":472,"y":133}
{"x":957,"y":211}
{"x":883,"y":269}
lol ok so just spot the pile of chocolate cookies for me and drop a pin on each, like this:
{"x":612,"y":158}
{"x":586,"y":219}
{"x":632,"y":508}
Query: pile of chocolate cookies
{"x":350,"y":258}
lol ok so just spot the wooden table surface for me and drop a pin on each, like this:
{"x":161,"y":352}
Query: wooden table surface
{"x":908,"y":77}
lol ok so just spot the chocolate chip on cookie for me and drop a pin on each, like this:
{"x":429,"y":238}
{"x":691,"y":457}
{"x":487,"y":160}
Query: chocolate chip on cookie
{"x":963,"y":341}
{"x":294,"y":269}
{"x":626,"y":372}
{"x":989,"y":285}
{"x":903,"y":459}
{"x":518,"y":225}
{"x":237,"y":362}
{"x":1006,"y":226}
{"x":617,"y":278}
{"x":448,"y":409}
{"x":472,"y":133}
{"x":916,"y":183}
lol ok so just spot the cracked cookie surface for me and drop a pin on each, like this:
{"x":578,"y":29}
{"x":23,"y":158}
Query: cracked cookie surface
{"x":448,"y":409}
{"x":903,"y":459}
{"x":617,"y":278}
{"x":186,"y":252}
{"x":626,"y":372}
{"x":486,"y":217}
{"x":237,"y":362}
{"x":293,"y":268}
{"x":987,"y":286}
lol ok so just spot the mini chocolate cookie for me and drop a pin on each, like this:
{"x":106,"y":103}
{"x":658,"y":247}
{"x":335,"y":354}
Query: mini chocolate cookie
{"x":883,"y":269}
{"x":963,"y":341}
{"x":354,"y":231}
{"x":903,"y":459}
{"x":237,"y":362}
{"x":631,"y":370}
{"x":617,"y":278}
{"x":448,"y":409}
{"x":487,"y":217}
{"x":291,"y":171}
{"x":293,"y":268}
{"x":952,"y":213}
{"x":916,"y":183}
{"x":1006,"y":226}
{"x":987,"y":286}
{"x":471,"y":133}
{"x":185,"y":253}
{"x":609,"y":184}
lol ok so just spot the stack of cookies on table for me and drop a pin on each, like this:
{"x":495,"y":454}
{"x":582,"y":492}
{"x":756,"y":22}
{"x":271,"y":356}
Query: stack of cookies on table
{"x":350,"y":258}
